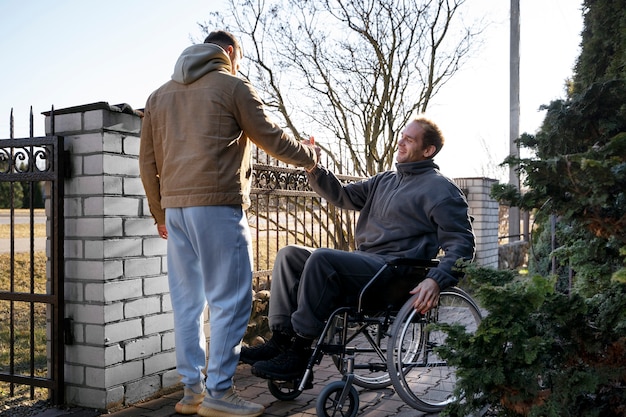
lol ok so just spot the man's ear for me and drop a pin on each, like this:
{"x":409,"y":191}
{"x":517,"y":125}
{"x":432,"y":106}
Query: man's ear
{"x":429,"y":151}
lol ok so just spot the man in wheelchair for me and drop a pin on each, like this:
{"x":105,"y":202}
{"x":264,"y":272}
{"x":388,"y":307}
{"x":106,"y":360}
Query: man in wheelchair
{"x":411,"y":212}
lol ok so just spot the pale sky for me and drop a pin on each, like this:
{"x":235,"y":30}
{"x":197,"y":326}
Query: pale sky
{"x":73,"y":52}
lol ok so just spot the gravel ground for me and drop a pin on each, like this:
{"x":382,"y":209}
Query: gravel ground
{"x":20,"y":407}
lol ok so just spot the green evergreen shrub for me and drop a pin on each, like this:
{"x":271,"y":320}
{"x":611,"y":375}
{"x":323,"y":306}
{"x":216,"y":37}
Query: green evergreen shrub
{"x":540,"y":352}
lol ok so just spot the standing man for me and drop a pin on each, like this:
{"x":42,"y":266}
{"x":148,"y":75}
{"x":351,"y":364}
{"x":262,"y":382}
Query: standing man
{"x":412,"y":212}
{"x":196,"y":170}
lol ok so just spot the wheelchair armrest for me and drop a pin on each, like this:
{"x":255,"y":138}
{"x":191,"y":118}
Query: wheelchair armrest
{"x":422,"y":263}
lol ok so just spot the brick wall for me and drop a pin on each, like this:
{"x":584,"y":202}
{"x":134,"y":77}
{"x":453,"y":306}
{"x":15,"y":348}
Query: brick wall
{"x":484,"y":209}
{"x":115,"y":271}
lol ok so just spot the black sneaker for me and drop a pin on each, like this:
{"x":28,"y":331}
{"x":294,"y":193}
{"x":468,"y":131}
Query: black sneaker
{"x":287,"y":366}
{"x":262,"y":352}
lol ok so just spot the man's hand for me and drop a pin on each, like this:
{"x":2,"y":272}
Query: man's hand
{"x":162,"y":229}
{"x":427,"y":295}
{"x":318,"y":151}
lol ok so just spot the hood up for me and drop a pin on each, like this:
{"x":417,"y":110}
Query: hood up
{"x":198,"y":60}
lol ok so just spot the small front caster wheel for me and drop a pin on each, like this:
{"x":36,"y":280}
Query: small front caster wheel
{"x":330,"y":404}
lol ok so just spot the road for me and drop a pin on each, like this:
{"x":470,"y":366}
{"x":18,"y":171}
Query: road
{"x":22,"y":244}
{"x":22,"y":216}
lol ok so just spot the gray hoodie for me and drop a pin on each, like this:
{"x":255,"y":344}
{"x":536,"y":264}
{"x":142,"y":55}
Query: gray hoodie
{"x":408,"y":213}
{"x":198,"y":60}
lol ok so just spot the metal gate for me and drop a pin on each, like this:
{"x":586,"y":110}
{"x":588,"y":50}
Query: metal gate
{"x":31,"y":276}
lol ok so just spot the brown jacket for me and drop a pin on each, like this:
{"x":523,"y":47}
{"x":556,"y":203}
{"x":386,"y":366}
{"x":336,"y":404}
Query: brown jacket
{"x":196,"y":132}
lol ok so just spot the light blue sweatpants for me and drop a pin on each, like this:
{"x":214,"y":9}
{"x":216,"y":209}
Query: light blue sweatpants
{"x":209,"y":260}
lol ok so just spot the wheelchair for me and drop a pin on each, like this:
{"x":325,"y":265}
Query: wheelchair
{"x":378,"y":340}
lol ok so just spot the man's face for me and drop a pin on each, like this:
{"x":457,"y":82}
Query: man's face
{"x":410,"y":146}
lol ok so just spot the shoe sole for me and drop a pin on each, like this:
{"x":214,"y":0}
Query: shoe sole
{"x":187,"y":409}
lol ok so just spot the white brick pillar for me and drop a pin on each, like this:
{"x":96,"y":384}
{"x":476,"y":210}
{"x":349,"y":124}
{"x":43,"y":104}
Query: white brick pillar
{"x":116,"y":287}
{"x":484,"y":209}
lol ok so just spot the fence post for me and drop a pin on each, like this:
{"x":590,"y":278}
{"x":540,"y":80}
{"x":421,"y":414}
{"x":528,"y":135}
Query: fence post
{"x":116,"y":290}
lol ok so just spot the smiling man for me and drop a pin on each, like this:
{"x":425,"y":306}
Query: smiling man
{"x":411,"y":212}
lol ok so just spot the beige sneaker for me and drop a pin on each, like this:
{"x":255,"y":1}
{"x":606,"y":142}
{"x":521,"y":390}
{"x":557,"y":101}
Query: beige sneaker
{"x":190,"y":401}
{"x":229,"y":405}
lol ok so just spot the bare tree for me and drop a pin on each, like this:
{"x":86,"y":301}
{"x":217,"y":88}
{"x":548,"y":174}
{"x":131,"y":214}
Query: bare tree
{"x":352,"y":72}
{"x":490,"y":166}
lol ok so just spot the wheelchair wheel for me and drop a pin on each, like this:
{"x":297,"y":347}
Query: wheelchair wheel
{"x":283,"y":390}
{"x":421,"y":378}
{"x":329,"y":402}
{"x":370,"y":344}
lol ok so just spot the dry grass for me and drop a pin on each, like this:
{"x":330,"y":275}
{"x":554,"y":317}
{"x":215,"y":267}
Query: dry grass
{"x":22,"y":230}
{"x":28,"y":320}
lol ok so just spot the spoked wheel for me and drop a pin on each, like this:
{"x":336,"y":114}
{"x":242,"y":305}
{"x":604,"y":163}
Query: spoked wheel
{"x":421,"y":378}
{"x":284,"y":390}
{"x":370,"y":345}
{"x":329,"y":403}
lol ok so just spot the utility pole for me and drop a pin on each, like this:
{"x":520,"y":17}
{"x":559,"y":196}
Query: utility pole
{"x":514,"y":83}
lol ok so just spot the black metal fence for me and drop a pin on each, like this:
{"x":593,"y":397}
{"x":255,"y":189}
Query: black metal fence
{"x":31,"y":281}
{"x":286,"y":211}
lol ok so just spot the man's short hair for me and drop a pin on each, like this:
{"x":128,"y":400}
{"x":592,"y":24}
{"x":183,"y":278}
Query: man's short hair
{"x":432,"y":134}
{"x":224,"y":39}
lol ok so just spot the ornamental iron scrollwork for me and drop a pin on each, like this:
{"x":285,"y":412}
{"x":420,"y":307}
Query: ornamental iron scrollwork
{"x":274,"y":178}
{"x":27,"y":159}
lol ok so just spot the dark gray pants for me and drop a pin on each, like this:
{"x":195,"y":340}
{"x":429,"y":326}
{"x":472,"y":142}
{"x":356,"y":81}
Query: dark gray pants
{"x":309,"y":284}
